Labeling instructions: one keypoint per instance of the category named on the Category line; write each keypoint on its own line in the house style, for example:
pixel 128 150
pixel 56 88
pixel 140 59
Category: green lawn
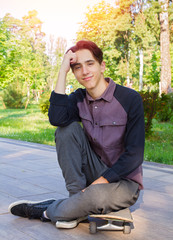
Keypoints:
pixel 27 125
pixel 159 147
pixel 33 126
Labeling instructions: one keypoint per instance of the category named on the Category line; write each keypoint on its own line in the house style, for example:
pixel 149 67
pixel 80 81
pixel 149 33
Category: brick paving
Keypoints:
pixel 30 171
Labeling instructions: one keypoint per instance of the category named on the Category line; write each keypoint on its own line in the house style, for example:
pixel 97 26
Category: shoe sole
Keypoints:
pixel 70 224
pixel 25 202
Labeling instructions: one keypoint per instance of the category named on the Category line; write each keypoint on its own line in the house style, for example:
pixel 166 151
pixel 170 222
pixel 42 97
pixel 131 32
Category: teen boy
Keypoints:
pixel 102 161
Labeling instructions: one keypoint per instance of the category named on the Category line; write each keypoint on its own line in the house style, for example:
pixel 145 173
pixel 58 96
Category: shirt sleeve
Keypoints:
pixel 63 109
pixel 132 157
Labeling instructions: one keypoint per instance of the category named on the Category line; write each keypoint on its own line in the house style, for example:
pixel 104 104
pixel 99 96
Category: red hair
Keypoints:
pixel 91 46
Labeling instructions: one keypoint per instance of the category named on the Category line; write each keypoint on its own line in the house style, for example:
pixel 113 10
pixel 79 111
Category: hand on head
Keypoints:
pixel 69 58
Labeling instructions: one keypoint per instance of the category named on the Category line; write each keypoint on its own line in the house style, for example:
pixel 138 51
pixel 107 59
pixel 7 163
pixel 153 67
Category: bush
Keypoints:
pixel 165 113
pixel 44 102
pixel 13 96
pixel 151 103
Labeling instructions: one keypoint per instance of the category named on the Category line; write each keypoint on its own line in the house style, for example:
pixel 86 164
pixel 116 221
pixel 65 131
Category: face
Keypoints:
pixel 88 71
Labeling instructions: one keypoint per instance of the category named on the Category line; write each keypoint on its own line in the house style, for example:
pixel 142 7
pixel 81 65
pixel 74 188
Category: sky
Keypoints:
pixel 60 18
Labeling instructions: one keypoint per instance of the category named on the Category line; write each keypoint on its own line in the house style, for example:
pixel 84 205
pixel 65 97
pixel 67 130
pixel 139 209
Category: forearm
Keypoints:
pixel 63 109
pixel 61 82
pixel 69 58
pixel 126 164
pixel 100 180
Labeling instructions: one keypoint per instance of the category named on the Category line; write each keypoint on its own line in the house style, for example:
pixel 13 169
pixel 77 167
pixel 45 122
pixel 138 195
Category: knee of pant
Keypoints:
pixel 67 131
pixel 97 195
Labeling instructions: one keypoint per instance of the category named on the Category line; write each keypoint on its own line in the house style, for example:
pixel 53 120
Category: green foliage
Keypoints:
pixel 22 54
pixel 152 11
pixel 14 97
pixel 124 31
pixel 151 105
pixel 44 102
pixel 166 108
pixel 159 146
pixel 153 75
pixel 26 125
pixel 155 106
pixel 55 51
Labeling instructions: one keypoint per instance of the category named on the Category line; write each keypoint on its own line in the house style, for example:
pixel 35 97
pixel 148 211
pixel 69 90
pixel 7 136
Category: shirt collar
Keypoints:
pixel 108 93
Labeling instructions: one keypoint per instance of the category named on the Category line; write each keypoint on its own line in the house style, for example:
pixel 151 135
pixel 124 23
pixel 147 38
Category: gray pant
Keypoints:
pixel 80 167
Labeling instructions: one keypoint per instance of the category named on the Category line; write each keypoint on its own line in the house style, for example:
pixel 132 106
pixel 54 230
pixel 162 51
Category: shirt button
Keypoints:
pixel 114 123
pixel 95 107
pixel 96 123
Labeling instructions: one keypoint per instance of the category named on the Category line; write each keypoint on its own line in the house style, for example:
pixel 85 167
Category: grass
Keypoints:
pixel 32 126
pixel 159 147
pixel 27 125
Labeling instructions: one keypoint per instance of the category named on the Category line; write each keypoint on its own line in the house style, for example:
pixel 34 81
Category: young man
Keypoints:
pixel 101 162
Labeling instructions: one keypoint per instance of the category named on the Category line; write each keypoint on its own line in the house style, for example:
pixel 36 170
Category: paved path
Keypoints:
pixel 30 171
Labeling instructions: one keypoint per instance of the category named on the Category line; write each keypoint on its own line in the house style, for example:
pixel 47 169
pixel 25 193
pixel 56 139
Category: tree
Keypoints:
pixel 4 36
pixel 23 56
pixel 146 35
pixel 129 35
pixel 165 48
pixel 114 29
pixel 10 53
pixel 32 32
pixel 112 32
pixel 56 49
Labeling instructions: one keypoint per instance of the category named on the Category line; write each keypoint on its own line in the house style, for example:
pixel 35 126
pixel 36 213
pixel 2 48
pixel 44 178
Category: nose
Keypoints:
pixel 85 70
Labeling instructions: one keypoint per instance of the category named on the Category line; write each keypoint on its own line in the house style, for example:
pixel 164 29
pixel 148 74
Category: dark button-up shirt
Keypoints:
pixel 113 123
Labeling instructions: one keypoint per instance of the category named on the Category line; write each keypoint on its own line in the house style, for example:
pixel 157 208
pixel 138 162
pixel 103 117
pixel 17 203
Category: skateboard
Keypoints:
pixel 119 220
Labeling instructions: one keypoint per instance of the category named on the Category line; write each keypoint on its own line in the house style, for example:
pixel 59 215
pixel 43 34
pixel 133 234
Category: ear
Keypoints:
pixel 103 65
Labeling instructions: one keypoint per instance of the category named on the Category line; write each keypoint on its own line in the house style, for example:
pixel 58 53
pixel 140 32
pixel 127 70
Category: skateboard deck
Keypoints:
pixel 119 220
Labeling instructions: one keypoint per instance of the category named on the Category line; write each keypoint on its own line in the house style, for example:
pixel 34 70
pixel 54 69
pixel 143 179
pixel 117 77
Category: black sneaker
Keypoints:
pixel 30 209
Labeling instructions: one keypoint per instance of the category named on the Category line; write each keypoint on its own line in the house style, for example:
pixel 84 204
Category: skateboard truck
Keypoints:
pixel 119 220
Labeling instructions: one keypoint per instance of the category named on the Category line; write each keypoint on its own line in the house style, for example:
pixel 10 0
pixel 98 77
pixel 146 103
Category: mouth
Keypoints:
pixel 87 78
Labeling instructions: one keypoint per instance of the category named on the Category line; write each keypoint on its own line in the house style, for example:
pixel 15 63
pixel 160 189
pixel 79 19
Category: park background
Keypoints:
pixel 137 41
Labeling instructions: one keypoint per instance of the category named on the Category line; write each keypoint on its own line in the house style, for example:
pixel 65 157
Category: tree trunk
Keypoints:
pixel 141 69
pixel 164 48
pixel 3 103
pixel 128 71
pixel 28 96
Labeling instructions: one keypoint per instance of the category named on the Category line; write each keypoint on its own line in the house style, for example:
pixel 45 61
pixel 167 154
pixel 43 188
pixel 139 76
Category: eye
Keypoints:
pixel 90 63
pixel 77 67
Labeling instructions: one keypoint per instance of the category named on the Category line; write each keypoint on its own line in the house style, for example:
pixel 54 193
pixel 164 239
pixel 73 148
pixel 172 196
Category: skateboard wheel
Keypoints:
pixel 127 228
pixel 93 227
